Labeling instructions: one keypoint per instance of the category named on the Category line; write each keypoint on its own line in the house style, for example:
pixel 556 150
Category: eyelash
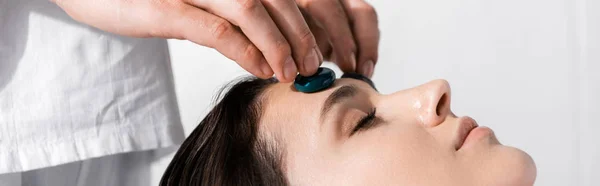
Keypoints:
pixel 365 122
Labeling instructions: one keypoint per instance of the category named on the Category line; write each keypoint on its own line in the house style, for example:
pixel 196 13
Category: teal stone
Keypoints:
pixel 321 80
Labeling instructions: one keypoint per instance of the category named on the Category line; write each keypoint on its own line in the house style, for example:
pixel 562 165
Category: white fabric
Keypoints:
pixel 128 169
pixel 70 92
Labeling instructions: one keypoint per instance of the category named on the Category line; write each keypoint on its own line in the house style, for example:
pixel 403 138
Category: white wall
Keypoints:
pixel 529 69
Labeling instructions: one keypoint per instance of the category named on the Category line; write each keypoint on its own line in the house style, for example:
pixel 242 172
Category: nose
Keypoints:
pixel 435 102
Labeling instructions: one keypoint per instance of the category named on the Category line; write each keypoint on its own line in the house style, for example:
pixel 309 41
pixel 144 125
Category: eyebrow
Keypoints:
pixel 344 92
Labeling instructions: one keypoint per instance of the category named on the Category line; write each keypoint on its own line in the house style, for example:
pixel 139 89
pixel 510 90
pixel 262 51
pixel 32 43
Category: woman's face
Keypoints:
pixel 330 138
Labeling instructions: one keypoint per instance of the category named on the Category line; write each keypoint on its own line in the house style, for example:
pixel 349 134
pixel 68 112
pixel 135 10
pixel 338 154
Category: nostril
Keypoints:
pixel 441 104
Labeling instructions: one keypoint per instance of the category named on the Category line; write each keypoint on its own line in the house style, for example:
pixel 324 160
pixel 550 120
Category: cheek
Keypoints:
pixel 500 165
pixel 388 156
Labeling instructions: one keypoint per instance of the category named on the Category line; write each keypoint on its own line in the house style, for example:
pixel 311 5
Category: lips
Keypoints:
pixel 466 125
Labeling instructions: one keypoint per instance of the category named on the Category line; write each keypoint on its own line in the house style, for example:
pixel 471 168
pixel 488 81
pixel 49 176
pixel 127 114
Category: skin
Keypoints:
pixel 265 37
pixel 413 142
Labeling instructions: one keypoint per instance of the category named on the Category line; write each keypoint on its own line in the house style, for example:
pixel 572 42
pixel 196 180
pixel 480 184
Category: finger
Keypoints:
pixel 289 20
pixel 259 28
pixel 209 30
pixel 331 14
pixel 363 19
pixel 321 37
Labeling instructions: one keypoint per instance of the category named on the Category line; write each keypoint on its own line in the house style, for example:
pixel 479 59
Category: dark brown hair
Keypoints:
pixel 225 148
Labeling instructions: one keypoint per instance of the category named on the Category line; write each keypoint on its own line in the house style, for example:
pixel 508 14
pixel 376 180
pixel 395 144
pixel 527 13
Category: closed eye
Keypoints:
pixel 366 122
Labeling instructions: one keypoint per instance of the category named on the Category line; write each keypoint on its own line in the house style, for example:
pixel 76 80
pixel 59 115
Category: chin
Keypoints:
pixel 518 168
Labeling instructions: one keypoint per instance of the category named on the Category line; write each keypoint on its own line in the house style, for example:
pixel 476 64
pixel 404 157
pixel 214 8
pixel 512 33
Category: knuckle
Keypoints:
pixel 246 5
pixel 306 38
pixel 220 29
pixel 249 53
pixel 368 8
pixel 306 3
pixel 281 46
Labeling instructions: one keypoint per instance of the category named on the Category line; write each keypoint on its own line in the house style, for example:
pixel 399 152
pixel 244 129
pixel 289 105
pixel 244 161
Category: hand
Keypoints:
pixel 346 31
pixel 262 36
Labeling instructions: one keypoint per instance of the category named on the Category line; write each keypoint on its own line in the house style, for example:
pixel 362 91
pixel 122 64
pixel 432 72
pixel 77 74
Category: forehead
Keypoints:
pixel 283 97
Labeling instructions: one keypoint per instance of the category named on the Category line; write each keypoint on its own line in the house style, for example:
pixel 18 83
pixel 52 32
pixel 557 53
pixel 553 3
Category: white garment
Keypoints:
pixel 70 92
pixel 127 169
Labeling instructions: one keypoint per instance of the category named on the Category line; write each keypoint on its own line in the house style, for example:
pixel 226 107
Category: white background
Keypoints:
pixel 529 69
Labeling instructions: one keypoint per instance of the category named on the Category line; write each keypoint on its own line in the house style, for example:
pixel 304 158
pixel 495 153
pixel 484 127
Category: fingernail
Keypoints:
pixel 265 68
pixel 367 68
pixel 353 61
pixel 311 61
pixel 289 68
